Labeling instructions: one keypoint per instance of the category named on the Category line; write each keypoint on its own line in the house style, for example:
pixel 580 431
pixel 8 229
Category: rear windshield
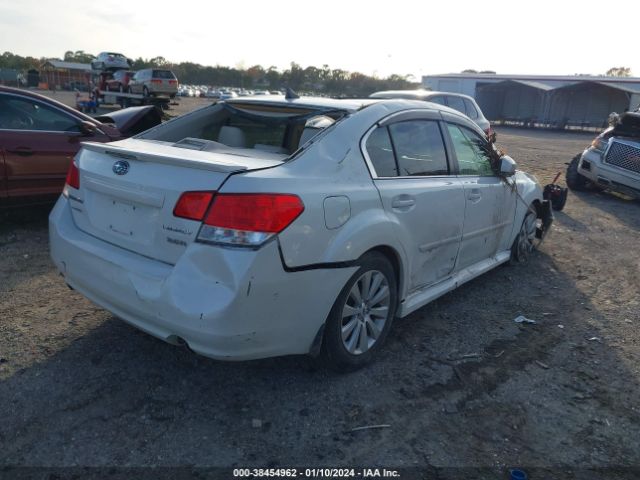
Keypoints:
pixel 163 74
pixel 277 129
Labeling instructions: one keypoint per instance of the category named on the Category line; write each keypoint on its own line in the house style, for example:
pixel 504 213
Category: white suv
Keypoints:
pixel 266 226
pixel 462 103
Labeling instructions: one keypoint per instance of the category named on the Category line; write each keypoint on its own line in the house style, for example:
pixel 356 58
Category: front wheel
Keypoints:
pixel 361 315
pixel 575 181
pixel 524 243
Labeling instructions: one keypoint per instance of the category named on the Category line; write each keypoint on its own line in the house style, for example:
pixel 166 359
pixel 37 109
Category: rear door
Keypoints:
pixel 38 142
pixel 411 172
pixel 489 202
pixel 135 83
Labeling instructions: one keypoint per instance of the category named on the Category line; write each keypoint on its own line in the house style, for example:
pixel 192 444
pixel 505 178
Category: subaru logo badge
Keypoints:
pixel 121 167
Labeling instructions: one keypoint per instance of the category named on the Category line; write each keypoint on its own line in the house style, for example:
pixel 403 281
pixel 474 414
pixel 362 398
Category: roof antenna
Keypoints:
pixel 291 95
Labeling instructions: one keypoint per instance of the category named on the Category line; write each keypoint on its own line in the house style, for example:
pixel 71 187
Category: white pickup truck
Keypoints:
pixel 612 161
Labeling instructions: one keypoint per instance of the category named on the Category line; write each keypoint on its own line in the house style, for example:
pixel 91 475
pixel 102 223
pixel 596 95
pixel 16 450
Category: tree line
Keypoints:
pixel 326 80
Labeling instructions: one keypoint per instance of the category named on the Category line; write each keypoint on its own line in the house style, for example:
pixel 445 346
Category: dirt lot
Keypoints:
pixel 459 384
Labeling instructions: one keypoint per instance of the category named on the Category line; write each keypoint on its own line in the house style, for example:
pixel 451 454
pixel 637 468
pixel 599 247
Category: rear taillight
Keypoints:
pixel 73 175
pixel 155 80
pixel 247 219
pixel 193 205
pixel 173 82
pixel 72 180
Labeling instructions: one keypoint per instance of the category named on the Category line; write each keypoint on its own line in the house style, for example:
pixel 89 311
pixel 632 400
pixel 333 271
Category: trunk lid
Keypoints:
pixel 128 191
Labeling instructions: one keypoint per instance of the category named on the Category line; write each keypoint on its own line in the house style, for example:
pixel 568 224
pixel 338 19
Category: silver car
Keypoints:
pixel 265 226
pixel 462 103
pixel 111 61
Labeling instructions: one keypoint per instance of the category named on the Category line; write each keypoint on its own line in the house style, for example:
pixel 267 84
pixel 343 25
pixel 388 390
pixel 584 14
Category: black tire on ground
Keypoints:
pixel 145 92
pixel 524 243
pixel 575 181
pixel 335 353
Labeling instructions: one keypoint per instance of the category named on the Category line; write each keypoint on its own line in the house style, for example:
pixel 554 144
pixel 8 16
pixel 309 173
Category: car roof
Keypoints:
pixel 351 105
pixel 417 94
pixel 390 105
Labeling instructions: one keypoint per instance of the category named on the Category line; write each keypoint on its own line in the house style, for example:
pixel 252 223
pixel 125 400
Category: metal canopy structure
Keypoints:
pixel 545 101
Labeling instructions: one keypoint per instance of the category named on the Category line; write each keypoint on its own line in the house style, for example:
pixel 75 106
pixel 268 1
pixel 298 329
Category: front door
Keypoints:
pixel 490 202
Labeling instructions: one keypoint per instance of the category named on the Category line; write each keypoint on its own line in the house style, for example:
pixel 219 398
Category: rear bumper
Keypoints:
pixel 227 304
pixel 601 173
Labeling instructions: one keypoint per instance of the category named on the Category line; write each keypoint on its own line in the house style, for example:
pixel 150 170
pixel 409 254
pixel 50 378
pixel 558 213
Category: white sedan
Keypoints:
pixel 264 226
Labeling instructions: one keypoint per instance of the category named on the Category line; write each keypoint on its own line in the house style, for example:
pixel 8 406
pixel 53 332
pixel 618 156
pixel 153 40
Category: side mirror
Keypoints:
pixel 87 128
pixel 507 166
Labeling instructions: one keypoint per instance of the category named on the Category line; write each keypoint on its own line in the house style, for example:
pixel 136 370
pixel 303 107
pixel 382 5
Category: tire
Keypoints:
pixel 524 243
pixel 353 333
pixel 121 89
pixel 575 181
pixel 145 92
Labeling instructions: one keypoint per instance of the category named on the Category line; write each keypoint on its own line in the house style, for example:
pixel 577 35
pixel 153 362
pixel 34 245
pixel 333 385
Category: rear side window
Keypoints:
pixel 163 74
pixel 471 151
pixel 419 148
pixel 438 99
pixel 380 153
pixel 471 110
pixel 456 103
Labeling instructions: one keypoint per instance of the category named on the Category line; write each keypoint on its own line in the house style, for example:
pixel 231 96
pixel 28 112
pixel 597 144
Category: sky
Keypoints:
pixel 559 37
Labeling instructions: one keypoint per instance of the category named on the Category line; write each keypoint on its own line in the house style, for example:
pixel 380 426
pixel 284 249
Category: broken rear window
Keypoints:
pixel 278 129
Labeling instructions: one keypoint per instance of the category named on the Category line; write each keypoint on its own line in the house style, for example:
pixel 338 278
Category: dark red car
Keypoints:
pixel 119 82
pixel 39 137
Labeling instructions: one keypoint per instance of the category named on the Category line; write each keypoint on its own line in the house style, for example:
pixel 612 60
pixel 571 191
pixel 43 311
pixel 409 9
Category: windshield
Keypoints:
pixel 279 129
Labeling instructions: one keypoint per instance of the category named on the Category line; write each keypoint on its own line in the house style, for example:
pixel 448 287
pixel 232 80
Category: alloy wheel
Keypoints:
pixel 365 312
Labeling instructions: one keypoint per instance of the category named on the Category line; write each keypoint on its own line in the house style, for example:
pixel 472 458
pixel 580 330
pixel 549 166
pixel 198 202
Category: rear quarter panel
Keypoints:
pixel 332 166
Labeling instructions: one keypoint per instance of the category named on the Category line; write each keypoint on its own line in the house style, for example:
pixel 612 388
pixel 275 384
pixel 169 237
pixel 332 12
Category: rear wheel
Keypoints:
pixel 145 92
pixel 575 181
pixel 361 315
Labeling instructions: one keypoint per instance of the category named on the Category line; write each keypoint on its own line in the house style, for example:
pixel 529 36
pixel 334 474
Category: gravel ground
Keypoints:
pixel 459 384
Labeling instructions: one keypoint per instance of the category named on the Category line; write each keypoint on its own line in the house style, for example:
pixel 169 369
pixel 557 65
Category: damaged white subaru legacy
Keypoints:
pixel 263 226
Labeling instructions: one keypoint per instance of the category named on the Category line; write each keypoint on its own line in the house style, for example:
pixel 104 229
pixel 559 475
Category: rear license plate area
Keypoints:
pixel 122 218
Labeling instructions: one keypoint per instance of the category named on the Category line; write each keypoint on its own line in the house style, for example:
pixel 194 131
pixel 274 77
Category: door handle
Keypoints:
pixel 474 195
pixel 22 151
pixel 403 203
